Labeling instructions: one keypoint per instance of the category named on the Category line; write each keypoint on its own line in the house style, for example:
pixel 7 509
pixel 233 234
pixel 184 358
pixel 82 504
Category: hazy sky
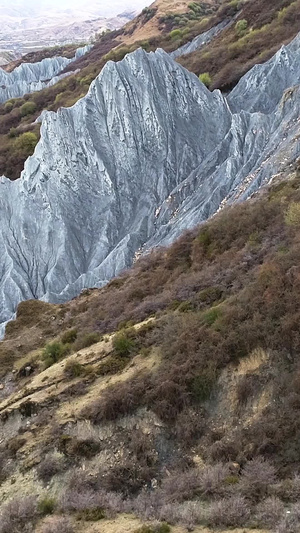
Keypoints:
pixel 103 7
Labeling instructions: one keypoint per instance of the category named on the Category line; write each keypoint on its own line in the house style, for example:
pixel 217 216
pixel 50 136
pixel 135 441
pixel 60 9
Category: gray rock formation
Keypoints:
pixel 201 40
pixel 147 153
pixel 262 87
pixel 31 77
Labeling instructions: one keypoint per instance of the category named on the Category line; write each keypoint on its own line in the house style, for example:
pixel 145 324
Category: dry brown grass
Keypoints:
pixel 228 57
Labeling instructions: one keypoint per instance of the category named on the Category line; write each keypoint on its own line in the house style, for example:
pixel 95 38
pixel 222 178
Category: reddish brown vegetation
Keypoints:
pixel 229 56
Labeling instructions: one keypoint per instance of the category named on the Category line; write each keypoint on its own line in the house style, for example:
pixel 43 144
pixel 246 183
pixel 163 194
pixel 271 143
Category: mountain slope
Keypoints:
pixel 226 57
pixel 30 77
pixel 156 155
pixel 188 411
pixel 27 28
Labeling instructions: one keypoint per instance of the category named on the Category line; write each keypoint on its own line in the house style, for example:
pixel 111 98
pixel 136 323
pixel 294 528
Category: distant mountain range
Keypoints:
pixel 31 25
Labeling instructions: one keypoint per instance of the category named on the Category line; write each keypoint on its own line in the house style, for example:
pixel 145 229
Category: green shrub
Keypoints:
pixel 241 27
pixel 112 365
pixel 69 336
pixel 13 132
pixel 210 295
pixel 26 143
pixel 28 109
pixel 46 505
pixel 87 340
pixel 292 215
pixel 19 102
pixel 73 369
pixel 205 238
pixel 206 79
pixel 201 387
pixel 123 344
pixel 232 480
pixel 211 315
pixel 185 307
pixel 8 107
pixel 175 35
pixel 197 8
pixel 53 352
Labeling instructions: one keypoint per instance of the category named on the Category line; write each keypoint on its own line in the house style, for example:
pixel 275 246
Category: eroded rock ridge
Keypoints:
pixel 146 154
pixel 31 77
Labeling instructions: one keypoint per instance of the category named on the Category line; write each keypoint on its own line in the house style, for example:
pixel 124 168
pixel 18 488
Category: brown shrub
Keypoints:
pixel 147 504
pixel 118 400
pixel 128 478
pixel 187 514
pixel 18 515
pixel 230 512
pixel 269 512
pixel 49 467
pixel 190 426
pixel 246 388
pixel 73 447
pixel 207 481
pixel 58 524
pixel 257 477
pixel 88 339
pixel 291 521
pixel 81 500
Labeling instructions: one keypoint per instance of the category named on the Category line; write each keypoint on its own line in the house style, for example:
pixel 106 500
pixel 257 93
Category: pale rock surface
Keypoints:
pixel 146 154
pixel 31 77
pixel 201 40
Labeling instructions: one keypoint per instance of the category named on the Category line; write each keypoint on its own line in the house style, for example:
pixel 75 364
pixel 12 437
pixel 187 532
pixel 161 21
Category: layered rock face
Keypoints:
pixel 147 153
pixel 31 77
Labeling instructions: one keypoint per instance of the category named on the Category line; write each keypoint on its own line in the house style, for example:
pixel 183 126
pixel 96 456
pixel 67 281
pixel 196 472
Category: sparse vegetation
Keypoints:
pixel 49 467
pixel 206 79
pixel 241 27
pixel 46 505
pixel 88 339
pixel 53 352
pixel 214 374
pixel 73 369
pixel 69 336
pixel 58 524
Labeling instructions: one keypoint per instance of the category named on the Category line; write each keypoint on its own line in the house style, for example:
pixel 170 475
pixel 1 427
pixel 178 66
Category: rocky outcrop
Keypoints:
pixel 201 40
pixel 262 87
pixel 31 77
pixel 146 154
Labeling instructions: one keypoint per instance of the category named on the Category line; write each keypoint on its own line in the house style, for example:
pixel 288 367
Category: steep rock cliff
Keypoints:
pixel 31 77
pixel 147 153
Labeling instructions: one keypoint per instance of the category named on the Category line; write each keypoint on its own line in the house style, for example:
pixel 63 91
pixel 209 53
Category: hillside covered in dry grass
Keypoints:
pixel 169 399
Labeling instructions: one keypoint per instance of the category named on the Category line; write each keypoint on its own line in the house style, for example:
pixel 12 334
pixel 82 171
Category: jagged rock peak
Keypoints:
pixel 147 153
pixel 262 87
pixel 30 77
